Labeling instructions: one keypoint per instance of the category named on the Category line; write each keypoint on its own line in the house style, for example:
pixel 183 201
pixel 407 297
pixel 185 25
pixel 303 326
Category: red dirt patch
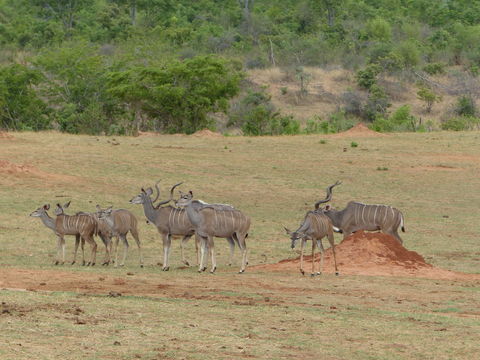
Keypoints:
pixel 6 135
pixel 206 133
pixel 359 130
pixel 7 167
pixel 374 254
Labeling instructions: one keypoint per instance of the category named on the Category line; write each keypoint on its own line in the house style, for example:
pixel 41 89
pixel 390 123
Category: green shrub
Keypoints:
pixel 400 120
pixel 461 123
pixel 434 68
pixel 428 96
pixel 367 77
pixel 377 103
pixel 313 126
pixel 465 106
pixel 353 144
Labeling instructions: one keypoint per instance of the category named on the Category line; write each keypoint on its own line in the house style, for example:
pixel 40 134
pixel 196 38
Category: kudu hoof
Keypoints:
pixel 141 265
pixel 319 273
pixel 105 263
pixel 303 272
pixel 242 271
pixel 312 275
pixel 337 273
pixel 55 263
pixel 186 263
pixel 166 268
pixel 202 269
pixel 73 262
pixel 83 263
pixel 213 270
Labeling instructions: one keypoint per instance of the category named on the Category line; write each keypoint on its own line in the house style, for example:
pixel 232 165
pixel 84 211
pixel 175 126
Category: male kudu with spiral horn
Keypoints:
pixel 168 220
pixel 218 220
pixel 357 216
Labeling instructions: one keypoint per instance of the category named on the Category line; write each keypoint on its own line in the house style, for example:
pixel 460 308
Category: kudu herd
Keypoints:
pixel 191 217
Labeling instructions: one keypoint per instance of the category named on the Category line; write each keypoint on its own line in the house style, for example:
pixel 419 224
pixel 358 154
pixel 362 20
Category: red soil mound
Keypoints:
pixel 372 254
pixel 359 130
pixel 206 133
pixel 7 167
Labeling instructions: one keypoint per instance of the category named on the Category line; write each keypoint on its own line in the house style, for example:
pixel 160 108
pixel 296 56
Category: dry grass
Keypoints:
pixel 432 178
pixel 327 86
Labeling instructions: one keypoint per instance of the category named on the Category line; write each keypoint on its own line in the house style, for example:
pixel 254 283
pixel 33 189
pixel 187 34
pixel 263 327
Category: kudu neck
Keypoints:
pixel 48 221
pixel 192 212
pixel 150 211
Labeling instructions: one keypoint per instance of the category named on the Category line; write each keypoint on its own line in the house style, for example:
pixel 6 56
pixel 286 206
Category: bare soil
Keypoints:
pixel 6 135
pixel 359 130
pixel 205 133
pixel 374 254
pixel 22 170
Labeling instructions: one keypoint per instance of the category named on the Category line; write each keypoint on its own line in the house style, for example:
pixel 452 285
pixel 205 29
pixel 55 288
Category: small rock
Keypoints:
pixel 116 343
pixel 114 294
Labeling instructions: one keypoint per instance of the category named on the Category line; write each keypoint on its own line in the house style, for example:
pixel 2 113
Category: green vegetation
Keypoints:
pixel 119 66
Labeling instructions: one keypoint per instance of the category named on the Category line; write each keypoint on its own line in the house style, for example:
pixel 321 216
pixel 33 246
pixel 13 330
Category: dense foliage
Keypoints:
pixel 116 66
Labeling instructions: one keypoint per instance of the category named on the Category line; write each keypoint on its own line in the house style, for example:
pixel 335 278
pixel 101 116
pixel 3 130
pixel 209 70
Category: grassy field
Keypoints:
pixel 67 311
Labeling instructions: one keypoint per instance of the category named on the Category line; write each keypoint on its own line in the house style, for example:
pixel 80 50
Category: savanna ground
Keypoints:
pixel 76 312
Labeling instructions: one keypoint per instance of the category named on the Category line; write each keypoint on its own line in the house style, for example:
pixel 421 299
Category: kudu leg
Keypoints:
pixel 93 254
pixel 211 248
pixel 117 240
pixel 322 254
pixel 134 233
pixel 331 240
pixel 167 241
pixel 243 247
pixel 313 258
pixel 203 248
pixel 182 249
pixel 82 246
pixel 125 248
pixel 302 246
pixel 231 243
pixel 106 241
pixel 77 242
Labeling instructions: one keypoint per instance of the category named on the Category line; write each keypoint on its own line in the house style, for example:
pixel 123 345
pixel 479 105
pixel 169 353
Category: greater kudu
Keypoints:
pixel 168 220
pixel 42 213
pixel 119 223
pixel 217 220
pixel 315 226
pixel 357 216
pixel 81 225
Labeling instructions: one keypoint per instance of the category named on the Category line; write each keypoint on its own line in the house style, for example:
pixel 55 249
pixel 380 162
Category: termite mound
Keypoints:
pixel 374 254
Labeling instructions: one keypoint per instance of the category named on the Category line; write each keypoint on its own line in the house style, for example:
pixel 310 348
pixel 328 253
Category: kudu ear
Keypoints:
pixel 110 207
pixel 191 193
pixel 58 205
pixel 287 231
pixel 149 191
pixel 328 207
pixel 46 206
pixel 98 208
pixel 67 204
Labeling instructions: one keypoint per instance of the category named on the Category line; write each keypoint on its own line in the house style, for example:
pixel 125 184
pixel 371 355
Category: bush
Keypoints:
pixel 336 122
pixel 367 77
pixel 377 103
pixel 461 123
pixel 434 68
pixel 465 106
pixel 313 126
pixel 400 120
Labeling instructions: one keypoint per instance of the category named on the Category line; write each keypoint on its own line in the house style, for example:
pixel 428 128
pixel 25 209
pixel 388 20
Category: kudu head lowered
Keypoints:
pixel 294 236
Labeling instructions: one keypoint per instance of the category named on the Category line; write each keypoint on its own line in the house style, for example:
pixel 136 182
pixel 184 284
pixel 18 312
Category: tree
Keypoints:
pixel 429 97
pixel 20 106
pixel 177 96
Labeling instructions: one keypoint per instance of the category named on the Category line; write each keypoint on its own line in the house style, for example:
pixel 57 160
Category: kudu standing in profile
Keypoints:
pixel 119 222
pixel 42 213
pixel 83 226
pixel 357 216
pixel 315 226
pixel 217 220
pixel 168 220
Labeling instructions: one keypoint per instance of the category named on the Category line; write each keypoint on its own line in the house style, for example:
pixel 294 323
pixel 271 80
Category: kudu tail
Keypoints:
pixel 402 225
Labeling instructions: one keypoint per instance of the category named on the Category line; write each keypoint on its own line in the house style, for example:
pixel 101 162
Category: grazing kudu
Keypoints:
pixel 168 220
pixel 357 216
pixel 217 220
pixel 315 226
pixel 119 222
